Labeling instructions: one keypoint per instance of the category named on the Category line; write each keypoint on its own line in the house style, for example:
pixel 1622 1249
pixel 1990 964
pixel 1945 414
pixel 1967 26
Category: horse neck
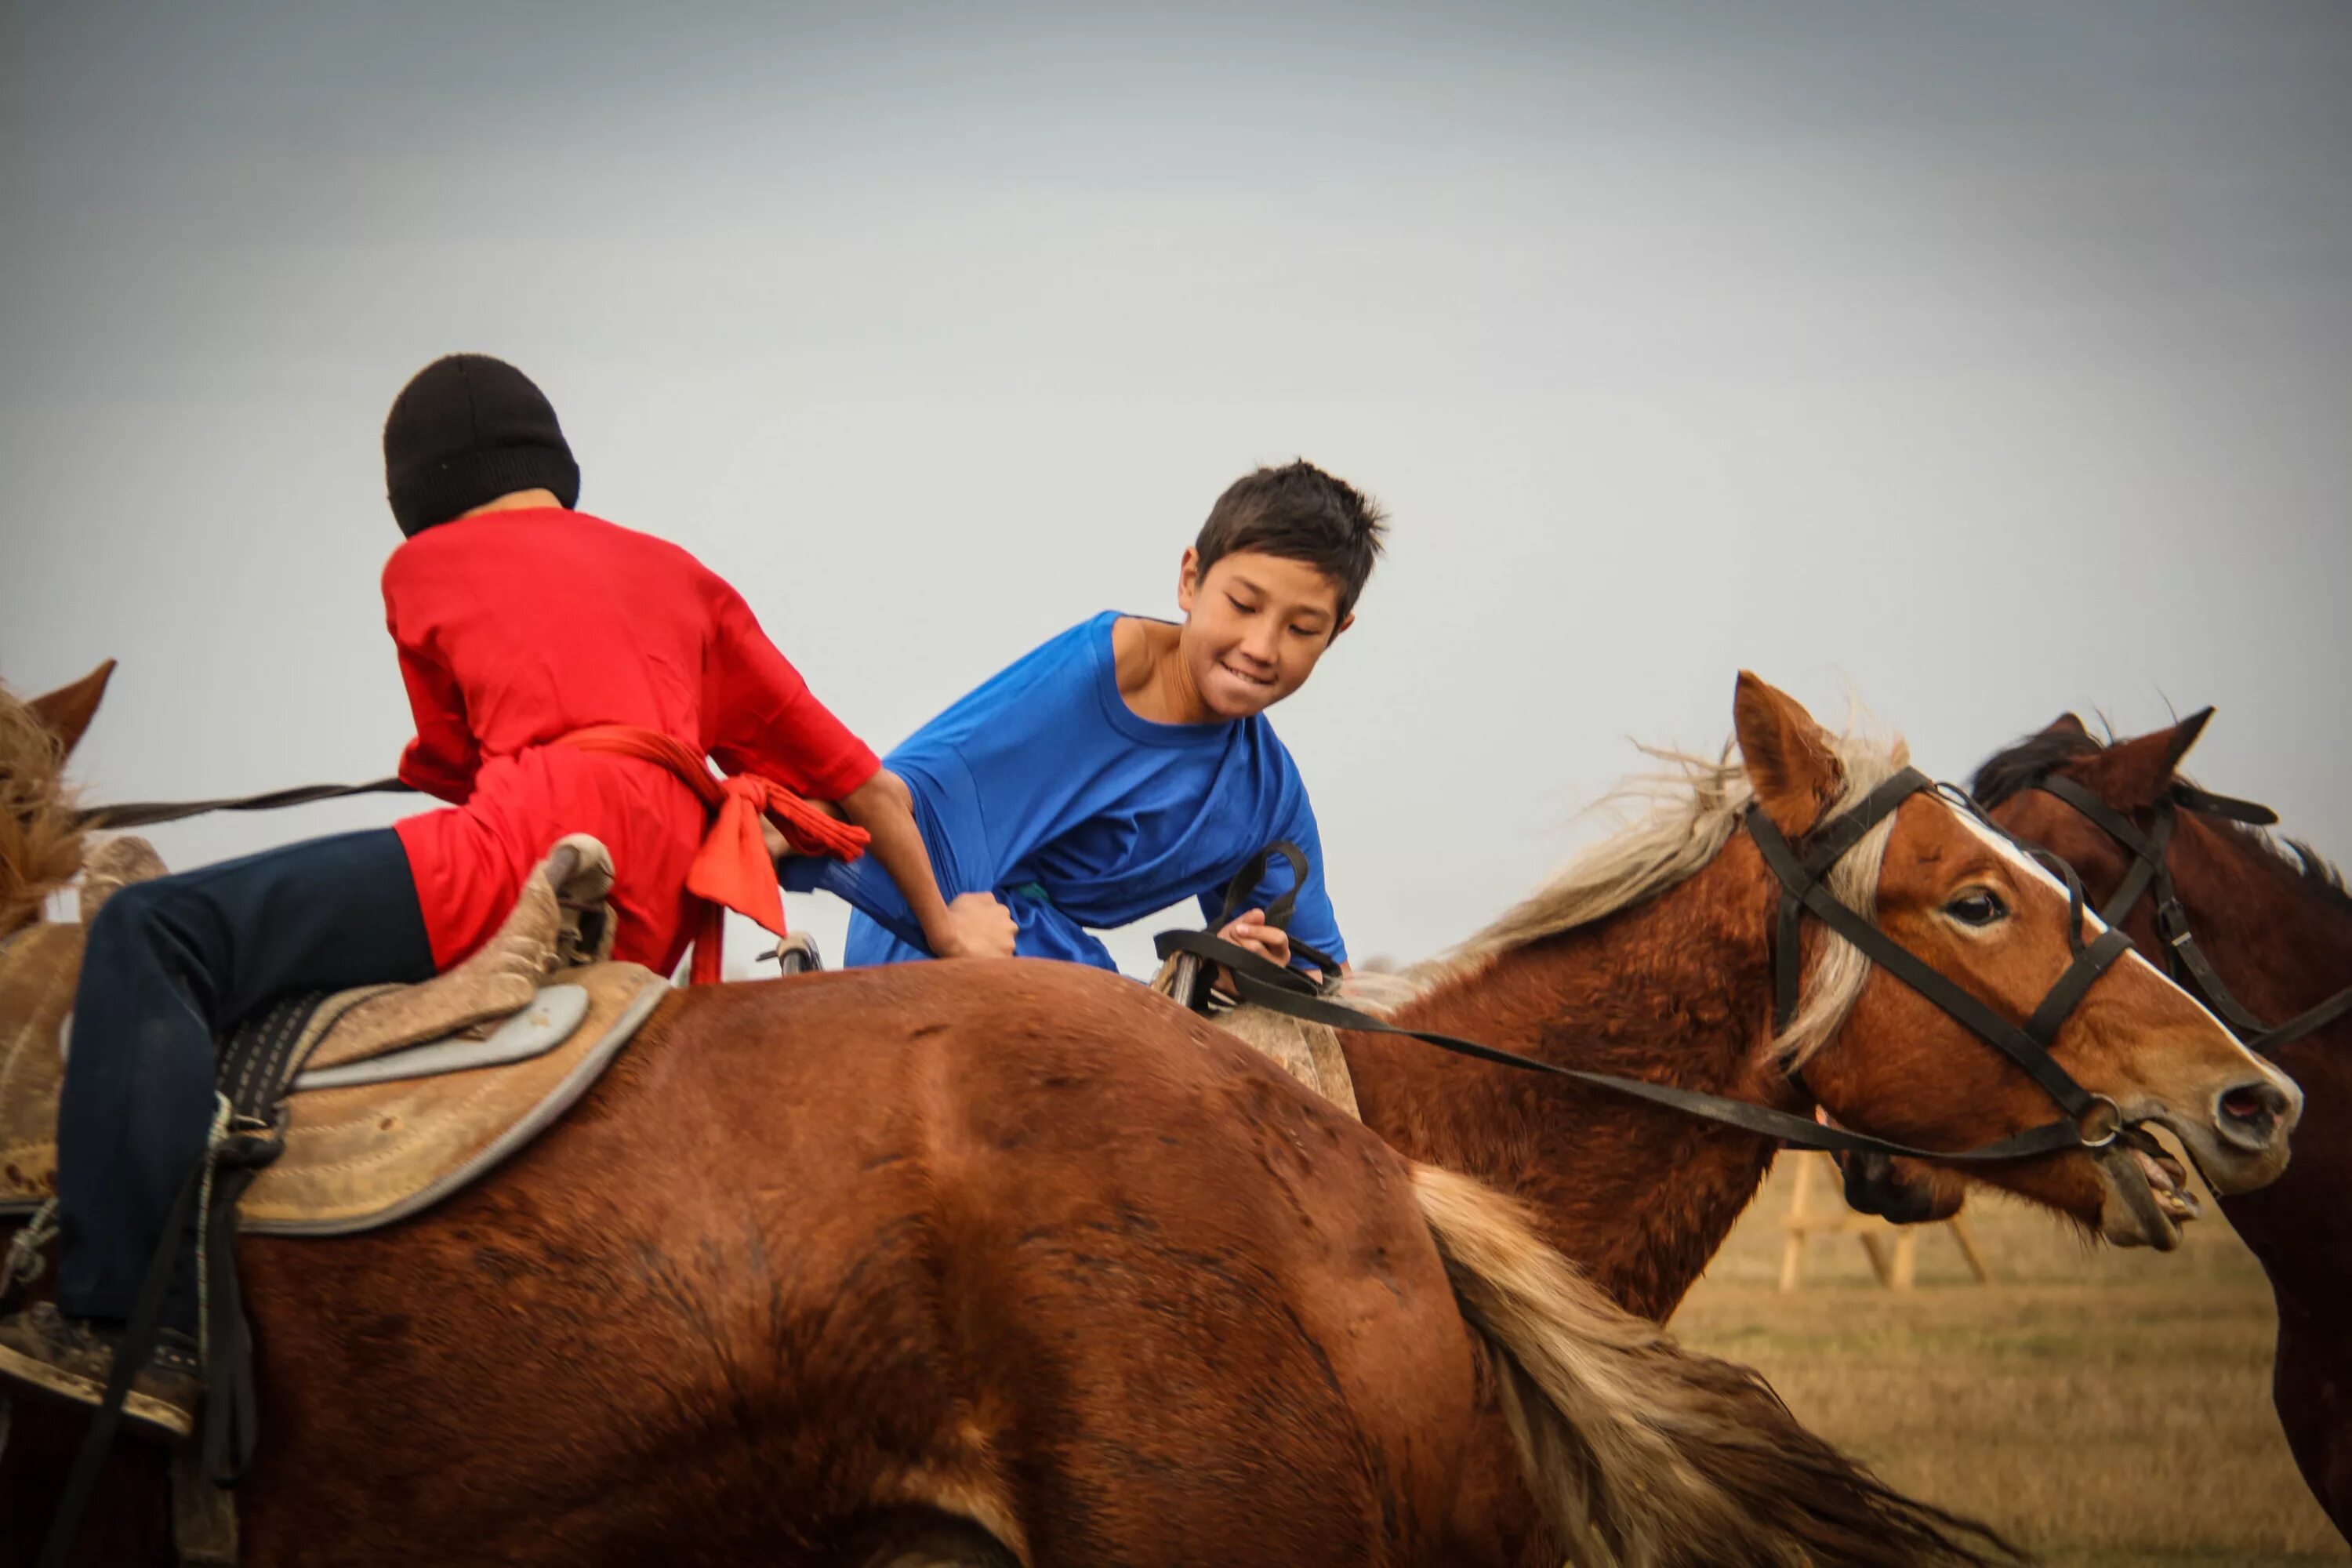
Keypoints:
pixel 2281 944
pixel 2279 941
pixel 1675 990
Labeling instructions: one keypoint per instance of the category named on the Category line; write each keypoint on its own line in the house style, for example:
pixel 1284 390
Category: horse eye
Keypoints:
pixel 1977 906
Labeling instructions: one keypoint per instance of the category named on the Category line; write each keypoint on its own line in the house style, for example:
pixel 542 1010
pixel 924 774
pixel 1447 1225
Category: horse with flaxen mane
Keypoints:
pixel 2275 921
pixel 991 1263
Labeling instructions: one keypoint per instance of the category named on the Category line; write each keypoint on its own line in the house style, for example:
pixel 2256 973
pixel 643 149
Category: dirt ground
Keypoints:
pixel 2100 1407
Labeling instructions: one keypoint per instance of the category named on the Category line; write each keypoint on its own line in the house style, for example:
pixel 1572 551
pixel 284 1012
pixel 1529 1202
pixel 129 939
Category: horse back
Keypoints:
pixel 1019 1245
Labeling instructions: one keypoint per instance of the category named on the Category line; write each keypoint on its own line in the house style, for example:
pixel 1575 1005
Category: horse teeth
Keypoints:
pixel 2158 1172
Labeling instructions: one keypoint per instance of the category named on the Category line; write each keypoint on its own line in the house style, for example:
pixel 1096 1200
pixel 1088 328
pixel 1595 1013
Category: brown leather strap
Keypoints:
pixel 149 812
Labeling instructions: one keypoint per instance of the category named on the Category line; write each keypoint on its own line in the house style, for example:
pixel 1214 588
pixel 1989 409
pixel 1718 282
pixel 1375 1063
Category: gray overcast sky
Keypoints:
pixel 1994 358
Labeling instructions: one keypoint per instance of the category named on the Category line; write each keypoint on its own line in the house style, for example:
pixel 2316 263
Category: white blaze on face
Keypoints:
pixel 2091 923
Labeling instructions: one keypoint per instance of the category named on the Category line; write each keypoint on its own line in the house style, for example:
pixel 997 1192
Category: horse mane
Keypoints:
pixel 2318 876
pixel 40 831
pixel 1683 816
pixel 2010 772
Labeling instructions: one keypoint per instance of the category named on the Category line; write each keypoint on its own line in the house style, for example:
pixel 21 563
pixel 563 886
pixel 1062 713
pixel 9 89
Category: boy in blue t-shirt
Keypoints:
pixel 1127 764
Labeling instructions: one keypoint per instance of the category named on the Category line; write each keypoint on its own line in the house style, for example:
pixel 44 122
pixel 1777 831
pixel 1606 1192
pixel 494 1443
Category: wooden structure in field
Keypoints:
pixel 1892 1250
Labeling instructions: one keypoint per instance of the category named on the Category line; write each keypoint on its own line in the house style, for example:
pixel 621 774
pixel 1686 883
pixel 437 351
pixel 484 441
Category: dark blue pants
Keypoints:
pixel 170 965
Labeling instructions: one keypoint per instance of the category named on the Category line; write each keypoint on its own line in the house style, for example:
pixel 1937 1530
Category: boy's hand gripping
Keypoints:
pixel 1249 929
pixel 981 927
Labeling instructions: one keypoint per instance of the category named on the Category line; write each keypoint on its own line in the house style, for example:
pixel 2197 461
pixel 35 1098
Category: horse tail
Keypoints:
pixel 1646 1454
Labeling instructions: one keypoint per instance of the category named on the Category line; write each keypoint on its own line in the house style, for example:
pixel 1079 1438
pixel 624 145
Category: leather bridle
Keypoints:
pixel 1804 890
pixel 2090 1121
pixel 2150 876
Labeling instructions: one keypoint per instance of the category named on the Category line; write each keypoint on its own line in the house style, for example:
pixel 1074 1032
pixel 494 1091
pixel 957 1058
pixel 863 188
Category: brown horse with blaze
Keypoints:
pixel 2275 923
pixel 1664 932
pixel 990 1263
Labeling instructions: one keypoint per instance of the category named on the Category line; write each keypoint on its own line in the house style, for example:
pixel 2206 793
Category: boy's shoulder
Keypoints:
pixel 558 535
pixel 1079 649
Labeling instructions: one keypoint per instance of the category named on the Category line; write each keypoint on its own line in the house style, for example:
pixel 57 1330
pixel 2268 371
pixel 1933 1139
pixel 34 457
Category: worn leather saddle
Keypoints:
pixel 385 1098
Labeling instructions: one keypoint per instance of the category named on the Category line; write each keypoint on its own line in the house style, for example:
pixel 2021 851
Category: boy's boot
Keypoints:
pixel 42 1351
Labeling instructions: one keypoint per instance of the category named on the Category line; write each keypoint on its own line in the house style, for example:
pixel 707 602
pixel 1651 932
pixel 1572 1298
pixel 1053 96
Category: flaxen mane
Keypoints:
pixel 40 832
pixel 1688 813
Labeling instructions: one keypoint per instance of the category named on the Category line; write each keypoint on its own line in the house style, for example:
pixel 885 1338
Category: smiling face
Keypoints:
pixel 1980 912
pixel 1254 626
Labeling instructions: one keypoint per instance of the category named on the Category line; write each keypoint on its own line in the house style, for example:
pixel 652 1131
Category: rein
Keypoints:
pixel 149 812
pixel 2091 1122
pixel 2151 877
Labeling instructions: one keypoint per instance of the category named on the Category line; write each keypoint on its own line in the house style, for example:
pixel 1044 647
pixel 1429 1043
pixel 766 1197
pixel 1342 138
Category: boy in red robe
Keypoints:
pixel 520 622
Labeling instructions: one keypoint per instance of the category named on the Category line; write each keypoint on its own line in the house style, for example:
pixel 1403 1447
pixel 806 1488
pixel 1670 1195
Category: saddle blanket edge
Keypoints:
pixel 339 1177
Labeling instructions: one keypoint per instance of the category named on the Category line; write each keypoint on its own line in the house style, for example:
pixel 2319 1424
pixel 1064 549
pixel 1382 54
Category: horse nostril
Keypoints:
pixel 2253 1107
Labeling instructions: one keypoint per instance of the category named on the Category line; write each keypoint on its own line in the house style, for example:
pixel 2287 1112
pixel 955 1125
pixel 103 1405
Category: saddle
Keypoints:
pixel 1309 1052
pixel 384 1099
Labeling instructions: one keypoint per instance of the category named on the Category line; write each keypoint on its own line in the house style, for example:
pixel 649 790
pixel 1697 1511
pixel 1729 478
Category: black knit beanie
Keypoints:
pixel 466 429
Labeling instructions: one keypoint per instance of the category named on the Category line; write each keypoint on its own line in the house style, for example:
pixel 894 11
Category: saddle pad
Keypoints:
pixel 366 1154
pixel 357 1155
pixel 1308 1052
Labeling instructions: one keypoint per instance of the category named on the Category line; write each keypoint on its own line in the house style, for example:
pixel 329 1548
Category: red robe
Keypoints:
pixel 516 627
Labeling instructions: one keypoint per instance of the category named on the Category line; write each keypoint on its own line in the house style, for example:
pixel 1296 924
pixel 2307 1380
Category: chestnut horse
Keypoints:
pixel 1666 928
pixel 2276 924
pixel 985 1263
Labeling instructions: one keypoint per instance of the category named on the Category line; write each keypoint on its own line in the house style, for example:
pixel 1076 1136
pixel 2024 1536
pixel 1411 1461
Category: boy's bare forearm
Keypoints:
pixel 883 806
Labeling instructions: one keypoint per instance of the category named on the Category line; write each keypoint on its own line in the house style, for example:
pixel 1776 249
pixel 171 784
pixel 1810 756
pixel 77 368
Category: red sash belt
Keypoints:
pixel 732 870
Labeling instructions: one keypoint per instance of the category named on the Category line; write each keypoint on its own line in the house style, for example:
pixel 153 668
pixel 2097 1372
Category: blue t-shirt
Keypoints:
pixel 1044 787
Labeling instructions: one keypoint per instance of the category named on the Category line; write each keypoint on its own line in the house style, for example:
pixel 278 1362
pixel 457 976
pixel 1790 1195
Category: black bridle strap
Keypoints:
pixel 1800 877
pixel 2151 874
pixel 2149 846
pixel 1283 991
pixel 2028 1047
pixel 2317 1016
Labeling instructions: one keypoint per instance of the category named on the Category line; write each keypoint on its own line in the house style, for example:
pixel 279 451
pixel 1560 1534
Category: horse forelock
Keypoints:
pixel 2019 767
pixel 40 832
pixel 1683 816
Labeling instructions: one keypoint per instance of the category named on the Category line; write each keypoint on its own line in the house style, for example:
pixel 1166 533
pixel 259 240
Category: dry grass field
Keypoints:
pixel 2100 1407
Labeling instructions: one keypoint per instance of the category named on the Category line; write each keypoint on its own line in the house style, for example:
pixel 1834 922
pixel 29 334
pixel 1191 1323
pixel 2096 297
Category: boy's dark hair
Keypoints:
pixel 1301 513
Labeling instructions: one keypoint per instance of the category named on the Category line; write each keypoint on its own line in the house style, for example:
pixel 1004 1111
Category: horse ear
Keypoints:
pixel 66 711
pixel 2130 774
pixel 2066 724
pixel 1788 758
